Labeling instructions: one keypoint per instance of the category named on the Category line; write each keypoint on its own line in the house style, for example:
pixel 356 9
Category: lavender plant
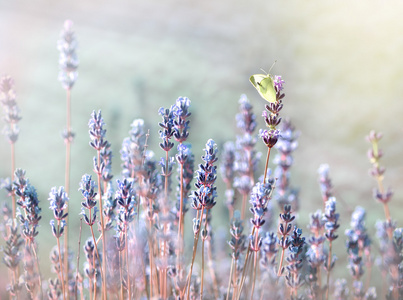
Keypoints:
pixel 141 219
pixel 315 255
pixel 238 247
pixel 246 157
pixel 260 197
pixel 99 143
pixel 58 203
pixel 286 145
pixel 203 199
pixel 227 169
pixel 68 64
pixel 359 246
pixel 29 220
pixel 11 118
pixel 331 219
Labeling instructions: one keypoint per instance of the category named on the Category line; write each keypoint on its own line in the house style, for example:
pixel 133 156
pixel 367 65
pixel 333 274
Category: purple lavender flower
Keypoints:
pixel 125 196
pixel 183 153
pixel 7 185
pixel 97 133
pixel 341 290
pixel 293 278
pixel 286 144
pixel 181 124
pixel 11 110
pixel 87 189
pixel 315 256
pixel 269 250
pixel 384 197
pixel 29 202
pixel 91 266
pixel 228 172
pixel 167 126
pixel 278 83
pixel 325 182
pixel 185 158
pixel 106 158
pixel 166 169
pixel 68 61
pixel 285 227
pixel 12 254
pixel 237 242
pixel 246 119
pixel 331 219
pixel 259 199
pixel 99 143
pixel 204 196
pixel 243 184
pixel 109 206
pixel 269 137
pixel 58 203
pixel 132 151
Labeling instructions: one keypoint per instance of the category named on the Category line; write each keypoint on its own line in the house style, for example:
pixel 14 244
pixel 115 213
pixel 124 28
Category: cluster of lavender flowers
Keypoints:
pixel 11 110
pixel 145 242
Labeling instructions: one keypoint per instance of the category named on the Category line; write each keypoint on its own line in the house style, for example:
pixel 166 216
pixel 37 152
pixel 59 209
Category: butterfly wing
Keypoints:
pixel 267 89
pixel 256 79
pixel 265 86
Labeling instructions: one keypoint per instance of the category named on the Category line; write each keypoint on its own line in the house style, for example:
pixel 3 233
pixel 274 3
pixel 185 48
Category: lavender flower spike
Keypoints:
pixel 68 61
pixel 58 204
pixel 11 110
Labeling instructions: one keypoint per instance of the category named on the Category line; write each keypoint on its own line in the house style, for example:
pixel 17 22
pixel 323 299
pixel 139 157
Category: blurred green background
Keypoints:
pixel 340 61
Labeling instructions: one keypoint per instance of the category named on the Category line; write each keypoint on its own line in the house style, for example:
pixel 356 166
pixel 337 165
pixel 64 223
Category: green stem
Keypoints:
pixel 254 262
pixel 267 164
pixel 12 178
pixel 60 262
pixel 329 266
pixel 243 277
pixel 230 279
pixel 202 270
pixel 194 255
pixel 101 212
pixel 67 183
pixel 180 236
pixel 96 250
pixel 78 257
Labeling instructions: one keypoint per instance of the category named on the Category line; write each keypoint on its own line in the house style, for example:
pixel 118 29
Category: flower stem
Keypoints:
pixel 96 250
pixel 243 277
pixel 67 181
pixel 281 262
pixel 254 261
pixel 78 258
pixel 329 267
pixel 101 210
pixel 230 281
pixel 12 178
pixel 129 294
pixel 194 254
pixel 244 200
pixel 60 262
pixel 202 271
pixel 267 164
pixel 180 232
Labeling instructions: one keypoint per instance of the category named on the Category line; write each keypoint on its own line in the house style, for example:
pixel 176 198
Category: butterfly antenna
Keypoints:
pixel 272 65
pixel 265 73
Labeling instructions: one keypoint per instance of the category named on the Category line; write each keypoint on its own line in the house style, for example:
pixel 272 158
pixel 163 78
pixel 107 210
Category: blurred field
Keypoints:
pixel 340 60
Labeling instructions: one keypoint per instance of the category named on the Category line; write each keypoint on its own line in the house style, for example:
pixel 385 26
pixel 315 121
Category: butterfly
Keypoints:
pixel 265 86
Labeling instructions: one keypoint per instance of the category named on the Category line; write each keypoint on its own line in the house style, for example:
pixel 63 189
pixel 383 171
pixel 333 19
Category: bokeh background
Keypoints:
pixel 341 61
